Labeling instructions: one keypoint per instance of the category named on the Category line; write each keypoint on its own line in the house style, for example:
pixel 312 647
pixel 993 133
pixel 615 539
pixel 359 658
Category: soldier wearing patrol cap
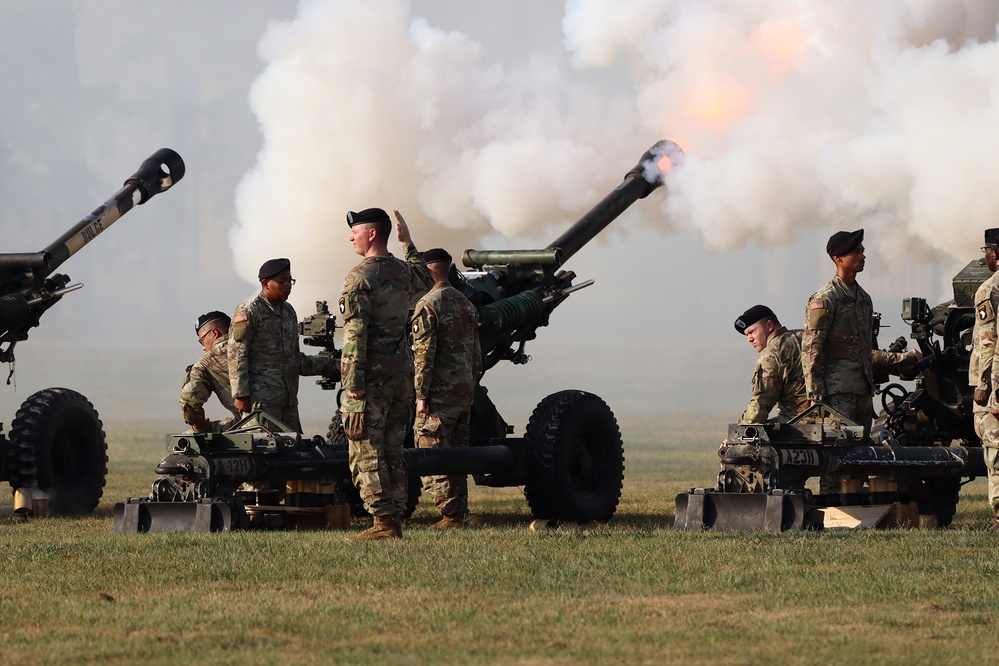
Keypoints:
pixel 837 347
pixel 377 365
pixel 264 358
pixel 777 379
pixel 448 362
pixel 984 366
pixel 208 375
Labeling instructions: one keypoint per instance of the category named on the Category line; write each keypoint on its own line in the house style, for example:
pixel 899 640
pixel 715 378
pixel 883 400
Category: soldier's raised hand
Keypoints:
pixel 401 228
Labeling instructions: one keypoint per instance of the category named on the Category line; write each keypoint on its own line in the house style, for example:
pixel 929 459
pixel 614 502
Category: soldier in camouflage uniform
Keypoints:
pixel 208 375
pixel 264 358
pixel 777 379
pixel 448 362
pixel 377 365
pixel 837 347
pixel 984 365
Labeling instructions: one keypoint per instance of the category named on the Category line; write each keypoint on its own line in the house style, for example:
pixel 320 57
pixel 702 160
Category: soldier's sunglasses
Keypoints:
pixel 994 248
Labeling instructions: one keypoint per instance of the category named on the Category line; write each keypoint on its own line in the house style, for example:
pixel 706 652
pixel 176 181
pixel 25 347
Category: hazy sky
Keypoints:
pixel 494 125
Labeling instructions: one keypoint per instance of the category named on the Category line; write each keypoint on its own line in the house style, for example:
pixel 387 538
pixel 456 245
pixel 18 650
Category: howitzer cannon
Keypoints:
pixel 924 447
pixel 570 460
pixel 56 448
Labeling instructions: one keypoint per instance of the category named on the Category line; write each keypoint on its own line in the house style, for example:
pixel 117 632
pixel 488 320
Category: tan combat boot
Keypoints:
pixel 448 522
pixel 384 528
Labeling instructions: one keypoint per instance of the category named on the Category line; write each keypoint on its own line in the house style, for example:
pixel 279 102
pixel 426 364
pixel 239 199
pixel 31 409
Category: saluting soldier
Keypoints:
pixel 377 365
pixel 264 358
pixel 208 375
pixel 983 367
pixel 448 362
pixel 777 379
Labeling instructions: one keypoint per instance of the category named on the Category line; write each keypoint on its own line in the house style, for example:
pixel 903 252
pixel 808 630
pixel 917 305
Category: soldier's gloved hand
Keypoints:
pixel 981 397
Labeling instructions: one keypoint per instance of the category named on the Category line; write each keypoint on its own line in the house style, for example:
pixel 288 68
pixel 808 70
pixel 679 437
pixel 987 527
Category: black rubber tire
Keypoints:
pixel 58 444
pixel 575 458
pixel 939 497
pixel 349 493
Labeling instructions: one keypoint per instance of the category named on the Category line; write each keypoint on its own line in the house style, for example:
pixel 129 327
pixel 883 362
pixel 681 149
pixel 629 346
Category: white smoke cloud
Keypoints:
pixel 837 114
pixel 793 116
pixel 367 105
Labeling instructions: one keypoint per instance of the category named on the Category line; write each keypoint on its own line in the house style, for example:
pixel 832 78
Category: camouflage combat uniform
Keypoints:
pixel 209 374
pixel 448 360
pixel 981 369
pixel 777 380
pixel 377 359
pixel 264 358
pixel 838 358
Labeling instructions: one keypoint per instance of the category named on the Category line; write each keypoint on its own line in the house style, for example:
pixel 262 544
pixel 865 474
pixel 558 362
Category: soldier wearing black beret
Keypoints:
pixel 837 347
pixel 777 379
pixel 377 365
pixel 264 357
pixel 208 375
pixel 448 361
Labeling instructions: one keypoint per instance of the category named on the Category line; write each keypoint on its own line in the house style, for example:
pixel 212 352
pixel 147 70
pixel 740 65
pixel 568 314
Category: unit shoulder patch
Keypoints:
pixel 985 312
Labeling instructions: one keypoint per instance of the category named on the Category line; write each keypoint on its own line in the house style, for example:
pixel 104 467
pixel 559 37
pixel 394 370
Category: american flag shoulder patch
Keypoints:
pixel 239 317
pixel 817 305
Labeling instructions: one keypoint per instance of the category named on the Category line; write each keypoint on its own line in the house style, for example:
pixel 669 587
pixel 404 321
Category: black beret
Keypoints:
pixel 212 316
pixel 753 315
pixel 272 267
pixel 844 242
pixel 992 236
pixel 368 216
pixel 435 255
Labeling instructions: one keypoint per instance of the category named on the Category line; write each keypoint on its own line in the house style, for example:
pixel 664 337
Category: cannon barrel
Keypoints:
pixel 26 291
pixel 158 173
pixel 638 183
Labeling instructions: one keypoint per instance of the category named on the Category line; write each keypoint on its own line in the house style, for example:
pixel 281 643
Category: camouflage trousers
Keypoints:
pixel 446 426
pixel 987 427
pixel 377 467
pixel 286 414
pixel 859 408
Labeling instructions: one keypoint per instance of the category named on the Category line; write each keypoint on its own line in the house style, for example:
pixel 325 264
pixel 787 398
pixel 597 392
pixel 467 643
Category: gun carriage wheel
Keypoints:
pixel 575 465
pixel 58 445
pixel 348 492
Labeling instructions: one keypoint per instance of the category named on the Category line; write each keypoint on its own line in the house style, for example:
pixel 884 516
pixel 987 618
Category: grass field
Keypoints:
pixel 631 591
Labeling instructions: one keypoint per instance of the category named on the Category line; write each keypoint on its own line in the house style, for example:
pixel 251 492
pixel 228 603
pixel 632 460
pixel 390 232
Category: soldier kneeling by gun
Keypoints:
pixel 208 375
pixel 778 379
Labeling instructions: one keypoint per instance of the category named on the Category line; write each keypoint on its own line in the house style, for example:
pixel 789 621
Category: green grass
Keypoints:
pixel 631 591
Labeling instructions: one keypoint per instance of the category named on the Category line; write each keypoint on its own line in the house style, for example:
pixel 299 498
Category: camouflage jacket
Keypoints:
pixel 837 346
pixel 208 375
pixel 983 345
pixel 777 380
pixel 377 296
pixel 446 349
pixel 264 357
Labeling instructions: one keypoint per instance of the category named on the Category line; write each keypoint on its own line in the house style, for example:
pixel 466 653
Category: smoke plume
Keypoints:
pixel 793 115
